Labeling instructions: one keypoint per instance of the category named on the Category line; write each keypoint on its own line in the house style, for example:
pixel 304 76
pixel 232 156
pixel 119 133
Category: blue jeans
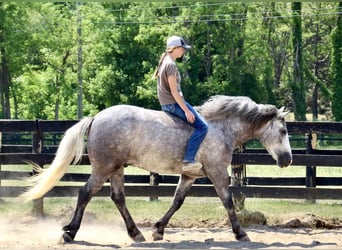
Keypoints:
pixel 200 126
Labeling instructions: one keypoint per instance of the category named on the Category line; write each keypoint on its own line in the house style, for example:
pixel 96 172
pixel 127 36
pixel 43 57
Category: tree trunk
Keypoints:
pixel 5 82
pixel 57 101
pixel 297 84
pixel 79 62
pixel 314 105
pixel 236 59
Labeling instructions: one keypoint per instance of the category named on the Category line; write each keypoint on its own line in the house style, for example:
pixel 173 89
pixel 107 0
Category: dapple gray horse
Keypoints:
pixel 155 141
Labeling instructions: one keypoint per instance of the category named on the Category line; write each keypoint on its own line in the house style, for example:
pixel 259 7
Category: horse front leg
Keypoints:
pixel 118 196
pixel 240 234
pixel 183 187
pixel 220 179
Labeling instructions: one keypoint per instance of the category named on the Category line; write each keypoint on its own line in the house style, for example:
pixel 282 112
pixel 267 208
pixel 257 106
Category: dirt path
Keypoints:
pixel 46 235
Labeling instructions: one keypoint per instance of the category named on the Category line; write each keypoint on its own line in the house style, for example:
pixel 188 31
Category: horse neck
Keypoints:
pixel 236 132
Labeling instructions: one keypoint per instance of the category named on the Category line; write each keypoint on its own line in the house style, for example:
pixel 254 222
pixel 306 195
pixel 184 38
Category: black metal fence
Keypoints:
pixel 45 135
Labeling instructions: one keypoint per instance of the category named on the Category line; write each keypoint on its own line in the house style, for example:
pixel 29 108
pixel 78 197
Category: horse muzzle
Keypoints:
pixel 284 159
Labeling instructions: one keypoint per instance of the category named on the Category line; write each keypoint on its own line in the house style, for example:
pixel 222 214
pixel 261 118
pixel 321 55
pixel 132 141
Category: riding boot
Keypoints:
pixel 191 166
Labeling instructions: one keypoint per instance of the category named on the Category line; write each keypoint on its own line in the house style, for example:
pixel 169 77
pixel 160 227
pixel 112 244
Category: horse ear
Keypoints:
pixel 282 113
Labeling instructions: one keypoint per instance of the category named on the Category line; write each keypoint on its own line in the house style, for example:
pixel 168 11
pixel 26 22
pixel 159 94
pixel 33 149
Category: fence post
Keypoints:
pixel 1 200
pixel 154 181
pixel 310 180
pixel 238 180
pixel 37 144
pixel 0 164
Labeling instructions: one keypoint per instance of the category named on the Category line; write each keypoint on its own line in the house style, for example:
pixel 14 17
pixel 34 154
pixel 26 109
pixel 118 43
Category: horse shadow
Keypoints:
pixel 211 243
pixel 93 245
pixel 193 244
pixel 226 245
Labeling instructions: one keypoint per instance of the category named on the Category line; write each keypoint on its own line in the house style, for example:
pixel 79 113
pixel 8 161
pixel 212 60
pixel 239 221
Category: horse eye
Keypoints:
pixel 283 131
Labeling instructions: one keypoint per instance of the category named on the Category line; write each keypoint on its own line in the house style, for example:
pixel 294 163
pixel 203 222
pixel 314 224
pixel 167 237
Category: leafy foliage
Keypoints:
pixel 237 49
pixel 337 65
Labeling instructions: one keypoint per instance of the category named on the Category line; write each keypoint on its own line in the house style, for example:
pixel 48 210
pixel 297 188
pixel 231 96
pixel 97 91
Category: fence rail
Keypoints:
pixel 298 187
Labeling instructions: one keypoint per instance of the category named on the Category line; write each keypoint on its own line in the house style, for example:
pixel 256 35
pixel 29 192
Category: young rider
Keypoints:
pixel 172 100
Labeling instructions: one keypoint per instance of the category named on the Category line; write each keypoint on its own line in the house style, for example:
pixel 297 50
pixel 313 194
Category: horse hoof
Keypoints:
pixel 157 236
pixel 139 238
pixel 243 238
pixel 67 238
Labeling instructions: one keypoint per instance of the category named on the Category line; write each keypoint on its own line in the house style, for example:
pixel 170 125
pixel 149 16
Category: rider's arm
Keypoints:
pixel 179 99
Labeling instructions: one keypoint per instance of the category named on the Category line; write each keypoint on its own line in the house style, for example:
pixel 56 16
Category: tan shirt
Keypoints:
pixel 168 68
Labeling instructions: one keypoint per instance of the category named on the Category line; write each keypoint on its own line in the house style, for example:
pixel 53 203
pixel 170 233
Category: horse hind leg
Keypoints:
pixel 85 194
pixel 118 197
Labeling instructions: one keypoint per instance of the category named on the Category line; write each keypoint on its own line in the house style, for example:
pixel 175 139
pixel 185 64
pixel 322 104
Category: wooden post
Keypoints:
pixel 37 144
pixel 238 180
pixel 0 164
pixel 154 181
pixel 1 200
pixel 0 152
pixel 310 180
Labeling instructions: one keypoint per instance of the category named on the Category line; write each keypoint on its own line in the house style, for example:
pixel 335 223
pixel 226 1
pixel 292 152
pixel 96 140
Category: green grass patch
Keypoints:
pixel 194 212
pixel 275 171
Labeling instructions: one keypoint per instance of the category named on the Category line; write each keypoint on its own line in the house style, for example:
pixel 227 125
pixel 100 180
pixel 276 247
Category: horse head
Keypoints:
pixel 275 139
pixel 264 121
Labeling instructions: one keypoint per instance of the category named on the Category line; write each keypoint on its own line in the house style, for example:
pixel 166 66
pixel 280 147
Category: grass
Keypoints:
pixel 194 212
pixel 292 171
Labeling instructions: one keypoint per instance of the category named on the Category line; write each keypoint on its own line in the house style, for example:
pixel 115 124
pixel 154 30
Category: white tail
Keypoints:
pixel 70 150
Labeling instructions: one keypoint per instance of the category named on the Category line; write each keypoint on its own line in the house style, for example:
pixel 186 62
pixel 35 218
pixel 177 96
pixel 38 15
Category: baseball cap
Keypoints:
pixel 176 41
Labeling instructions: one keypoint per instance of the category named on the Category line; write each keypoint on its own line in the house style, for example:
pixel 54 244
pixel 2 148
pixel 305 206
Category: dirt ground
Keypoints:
pixel 29 233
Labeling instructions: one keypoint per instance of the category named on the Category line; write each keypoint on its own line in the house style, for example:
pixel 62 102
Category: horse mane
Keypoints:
pixel 221 107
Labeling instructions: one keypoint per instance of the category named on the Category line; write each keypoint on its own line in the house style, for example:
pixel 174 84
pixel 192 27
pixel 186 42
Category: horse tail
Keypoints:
pixel 69 151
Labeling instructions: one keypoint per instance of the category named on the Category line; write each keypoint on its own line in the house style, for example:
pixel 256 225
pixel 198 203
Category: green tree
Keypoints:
pixel 50 75
pixel 5 79
pixel 275 32
pixel 13 34
pixel 316 60
pixel 337 67
pixel 237 49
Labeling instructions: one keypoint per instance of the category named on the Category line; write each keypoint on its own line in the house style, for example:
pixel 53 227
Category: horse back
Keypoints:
pixel 125 134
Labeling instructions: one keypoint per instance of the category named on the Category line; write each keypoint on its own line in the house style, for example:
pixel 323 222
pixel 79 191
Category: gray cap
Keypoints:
pixel 176 41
